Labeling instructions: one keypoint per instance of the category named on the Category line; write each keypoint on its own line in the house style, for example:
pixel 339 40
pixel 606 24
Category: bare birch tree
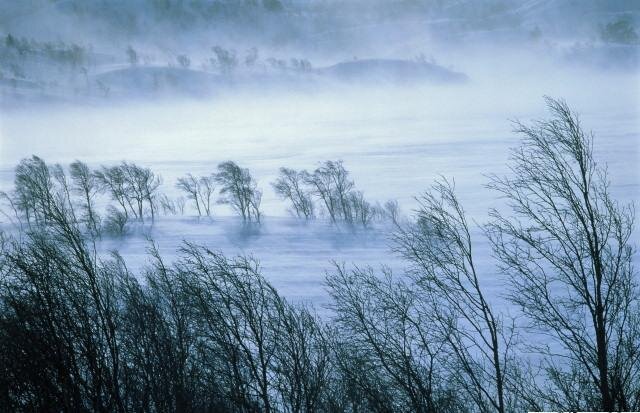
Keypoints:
pixel 566 247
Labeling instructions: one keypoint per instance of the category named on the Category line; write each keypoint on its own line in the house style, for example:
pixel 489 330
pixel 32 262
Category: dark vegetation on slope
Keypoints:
pixel 70 50
pixel 80 332
pixel 32 71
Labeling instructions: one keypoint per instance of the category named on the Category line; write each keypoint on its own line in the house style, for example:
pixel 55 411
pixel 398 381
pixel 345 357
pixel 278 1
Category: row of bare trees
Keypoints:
pixel 131 193
pixel 134 189
pixel 207 332
pixel 238 189
pixel 330 186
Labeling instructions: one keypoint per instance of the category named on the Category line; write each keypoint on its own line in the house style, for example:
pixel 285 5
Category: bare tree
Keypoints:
pixel 290 185
pixel 112 181
pixel 115 222
pixel 33 189
pixel 226 60
pixel 566 249
pixel 180 203
pixel 240 190
pixel 330 182
pixel 238 309
pixel 302 360
pixel 168 205
pixel 132 187
pixel 385 332
pixel 87 186
pixel 53 279
pixel 206 189
pixel 190 185
pixel 439 247
pixel 362 212
pixel 141 186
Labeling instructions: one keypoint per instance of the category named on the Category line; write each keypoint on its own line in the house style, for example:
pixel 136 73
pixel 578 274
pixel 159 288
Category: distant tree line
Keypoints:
pixel 22 58
pixel 132 194
pixel 80 332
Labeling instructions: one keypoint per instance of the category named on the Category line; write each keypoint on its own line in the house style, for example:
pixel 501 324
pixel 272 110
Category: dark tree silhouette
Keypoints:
pixel 239 190
pixel 566 248
pixel 291 186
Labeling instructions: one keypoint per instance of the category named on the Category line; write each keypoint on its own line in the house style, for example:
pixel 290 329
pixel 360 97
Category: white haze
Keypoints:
pixel 394 139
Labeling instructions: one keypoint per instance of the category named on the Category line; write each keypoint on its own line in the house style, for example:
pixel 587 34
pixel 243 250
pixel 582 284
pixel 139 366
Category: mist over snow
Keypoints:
pixel 401 91
pixel 319 205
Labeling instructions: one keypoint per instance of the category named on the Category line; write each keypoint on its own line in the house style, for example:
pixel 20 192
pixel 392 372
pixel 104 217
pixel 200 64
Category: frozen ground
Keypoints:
pixel 394 140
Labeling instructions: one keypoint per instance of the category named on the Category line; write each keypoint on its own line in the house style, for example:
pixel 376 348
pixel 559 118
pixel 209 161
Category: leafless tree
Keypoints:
pixel 226 60
pixel 239 190
pixel 360 210
pixel 440 249
pixel 112 181
pixel 290 185
pixel 53 279
pixel 115 222
pixel 132 187
pixel 168 205
pixel 87 186
pixel 302 361
pixel 383 326
pixel 190 185
pixel 180 203
pixel 566 247
pixel 141 186
pixel 331 183
pixel 33 189
pixel 206 189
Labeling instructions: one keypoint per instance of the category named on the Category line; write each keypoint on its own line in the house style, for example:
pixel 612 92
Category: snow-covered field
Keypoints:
pixel 394 140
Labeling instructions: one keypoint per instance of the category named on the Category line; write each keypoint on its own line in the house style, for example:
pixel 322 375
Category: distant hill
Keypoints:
pixel 390 70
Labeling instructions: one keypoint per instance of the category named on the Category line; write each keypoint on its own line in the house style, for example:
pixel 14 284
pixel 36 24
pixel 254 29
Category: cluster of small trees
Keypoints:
pixel 22 58
pixel 330 186
pixel 238 189
pixel 328 189
pixel 227 61
pixel 131 193
pixel 80 332
pixel 59 52
pixel 134 189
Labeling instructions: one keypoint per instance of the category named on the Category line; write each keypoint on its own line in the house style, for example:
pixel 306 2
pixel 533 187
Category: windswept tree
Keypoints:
pixel 34 189
pixel 239 190
pixel 447 281
pixel 268 356
pixel 336 192
pixel 86 184
pixel 291 186
pixel 58 308
pixel 141 186
pixel 303 360
pixel 206 189
pixel 566 247
pixel 225 60
pixel 361 210
pixel 189 184
pixel 386 346
pixel 168 205
pixel 331 183
pixel 112 181
pixel 132 187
